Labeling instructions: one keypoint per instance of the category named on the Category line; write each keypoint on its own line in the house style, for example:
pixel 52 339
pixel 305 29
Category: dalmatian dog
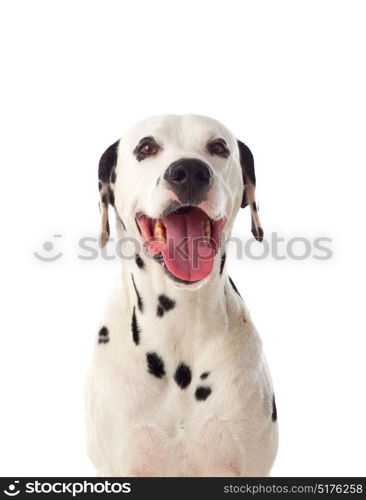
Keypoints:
pixel 179 384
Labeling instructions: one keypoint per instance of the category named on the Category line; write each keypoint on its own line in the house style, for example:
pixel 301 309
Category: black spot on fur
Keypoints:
pixel 222 264
pixel 247 164
pixel 103 335
pixel 234 287
pixel 107 162
pixel 139 262
pixel 247 167
pixel 165 304
pixel 113 176
pixel 254 206
pixel 258 235
pixel 204 375
pixel 274 409
pixel 103 332
pixel 183 376
pixel 123 225
pixel 202 393
pixel 140 303
pixel 105 199
pixel 155 364
pixel 103 341
pixel 111 197
pixel 135 328
pixel 100 185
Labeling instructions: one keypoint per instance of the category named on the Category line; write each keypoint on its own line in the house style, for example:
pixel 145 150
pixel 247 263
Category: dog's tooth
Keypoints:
pixel 159 229
pixel 207 229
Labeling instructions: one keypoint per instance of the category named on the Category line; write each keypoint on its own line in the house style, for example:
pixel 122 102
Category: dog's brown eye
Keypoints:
pixel 148 149
pixel 145 148
pixel 218 148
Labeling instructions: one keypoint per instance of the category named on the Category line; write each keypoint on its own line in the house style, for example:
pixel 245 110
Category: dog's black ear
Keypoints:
pixel 248 172
pixel 106 180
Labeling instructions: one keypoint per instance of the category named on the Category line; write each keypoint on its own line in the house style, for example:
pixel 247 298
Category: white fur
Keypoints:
pixel 140 425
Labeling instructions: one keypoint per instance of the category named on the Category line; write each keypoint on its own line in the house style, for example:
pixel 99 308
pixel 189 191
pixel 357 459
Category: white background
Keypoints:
pixel 288 78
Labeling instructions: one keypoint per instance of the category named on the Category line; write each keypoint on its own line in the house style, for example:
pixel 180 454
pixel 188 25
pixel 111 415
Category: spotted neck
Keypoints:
pixel 146 278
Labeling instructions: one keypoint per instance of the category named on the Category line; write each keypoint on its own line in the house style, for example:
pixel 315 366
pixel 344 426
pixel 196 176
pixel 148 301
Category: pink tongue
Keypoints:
pixel 186 254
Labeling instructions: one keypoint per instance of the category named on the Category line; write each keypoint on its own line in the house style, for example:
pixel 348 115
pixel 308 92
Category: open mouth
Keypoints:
pixel 187 240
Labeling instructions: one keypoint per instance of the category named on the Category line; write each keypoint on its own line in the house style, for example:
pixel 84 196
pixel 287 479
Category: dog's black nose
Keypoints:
pixel 189 178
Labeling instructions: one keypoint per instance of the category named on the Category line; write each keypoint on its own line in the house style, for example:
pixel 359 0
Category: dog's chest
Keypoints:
pixel 176 391
pixel 181 417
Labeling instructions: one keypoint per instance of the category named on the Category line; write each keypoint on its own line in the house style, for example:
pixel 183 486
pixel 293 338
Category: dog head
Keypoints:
pixel 177 183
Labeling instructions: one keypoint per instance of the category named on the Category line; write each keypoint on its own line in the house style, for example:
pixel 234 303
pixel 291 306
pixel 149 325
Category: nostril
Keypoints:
pixel 179 175
pixel 203 175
